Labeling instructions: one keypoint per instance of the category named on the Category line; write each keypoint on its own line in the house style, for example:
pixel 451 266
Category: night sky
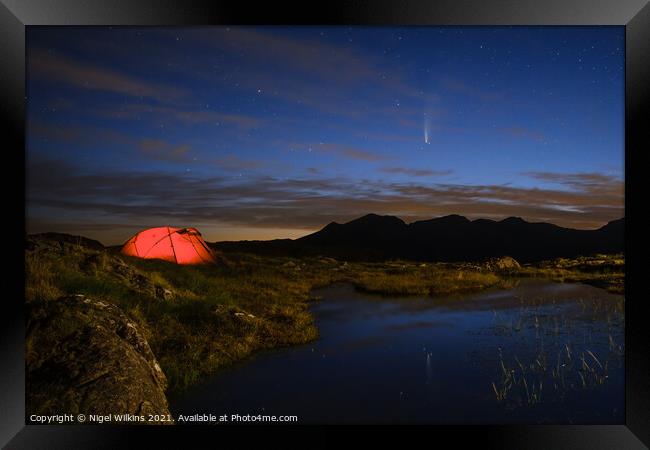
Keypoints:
pixel 272 132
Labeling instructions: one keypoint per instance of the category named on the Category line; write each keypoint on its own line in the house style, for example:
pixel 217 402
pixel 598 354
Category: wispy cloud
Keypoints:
pixel 301 203
pixel 339 150
pixel 350 152
pixel 165 151
pixel 462 87
pixel 233 162
pixel 85 75
pixel 75 133
pixel 89 135
pixel 415 172
pixel 305 56
pixel 322 72
pixel 524 133
pixel 183 115
pixel 593 182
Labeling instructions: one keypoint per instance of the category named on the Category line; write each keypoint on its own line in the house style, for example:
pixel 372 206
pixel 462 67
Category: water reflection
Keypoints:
pixel 540 352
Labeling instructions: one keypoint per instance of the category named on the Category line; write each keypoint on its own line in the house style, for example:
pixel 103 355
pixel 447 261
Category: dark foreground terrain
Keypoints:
pixel 113 334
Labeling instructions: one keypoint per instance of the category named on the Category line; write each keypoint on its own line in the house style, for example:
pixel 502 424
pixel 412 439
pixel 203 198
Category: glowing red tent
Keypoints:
pixel 177 245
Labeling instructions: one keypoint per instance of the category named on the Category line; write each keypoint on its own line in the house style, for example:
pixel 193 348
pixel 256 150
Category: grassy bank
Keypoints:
pixel 407 278
pixel 198 319
pixel 603 271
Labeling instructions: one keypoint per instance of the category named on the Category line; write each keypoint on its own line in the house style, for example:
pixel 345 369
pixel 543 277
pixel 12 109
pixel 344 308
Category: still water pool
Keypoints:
pixel 540 352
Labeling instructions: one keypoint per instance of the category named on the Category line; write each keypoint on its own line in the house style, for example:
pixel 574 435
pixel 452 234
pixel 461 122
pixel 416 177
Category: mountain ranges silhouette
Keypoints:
pixel 448 238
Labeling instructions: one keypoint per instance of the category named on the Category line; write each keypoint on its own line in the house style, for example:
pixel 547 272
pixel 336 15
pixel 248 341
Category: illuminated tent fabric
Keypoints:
pixel 177 245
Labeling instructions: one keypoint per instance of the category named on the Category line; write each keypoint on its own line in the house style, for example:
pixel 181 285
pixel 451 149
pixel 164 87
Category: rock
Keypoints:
pixel 43 247
pixel 327 260
pixel 68 238
pixel 107 264
pixel 240 313
pixel 102 263
pixel 503 263
pixel 86 356
pixel 163 294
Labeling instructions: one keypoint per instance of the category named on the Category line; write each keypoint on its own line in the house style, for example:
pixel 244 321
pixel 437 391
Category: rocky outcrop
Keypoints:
pixel 94 261
pixel 112 265
pixel 70 239
pixel 85 356
pixel 505 263
pixel 47 246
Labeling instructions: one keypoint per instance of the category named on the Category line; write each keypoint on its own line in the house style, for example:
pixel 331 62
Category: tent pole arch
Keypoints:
pixel 156 243
pixel 169 234
pixel 197 252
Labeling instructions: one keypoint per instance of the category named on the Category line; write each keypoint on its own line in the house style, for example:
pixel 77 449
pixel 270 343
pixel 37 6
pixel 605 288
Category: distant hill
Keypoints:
pixel 449 238
pixel 69 238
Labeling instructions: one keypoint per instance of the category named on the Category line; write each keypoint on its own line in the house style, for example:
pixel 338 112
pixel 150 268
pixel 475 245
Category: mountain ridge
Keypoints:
pixel 448 238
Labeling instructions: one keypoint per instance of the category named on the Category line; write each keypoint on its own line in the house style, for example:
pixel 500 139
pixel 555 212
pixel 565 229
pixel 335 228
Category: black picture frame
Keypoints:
pixel 634 15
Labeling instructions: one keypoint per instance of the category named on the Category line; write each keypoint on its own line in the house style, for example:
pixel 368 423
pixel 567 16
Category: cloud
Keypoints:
pixel 53 132
pixel 308 56
pixel 415 172
pixel 462 87
pixel 181 114
pixel 524 133
pixel 322 73
pixel 340 150
pixel 582 201
pixel 583 181
pixel 80 134
pixel 299 204
pixel 308 73
pixel 602 188
pixel 349 152
pixel 50 66
pixel 88 135
pixel 164 151
pixel 233 162
pixel 413 138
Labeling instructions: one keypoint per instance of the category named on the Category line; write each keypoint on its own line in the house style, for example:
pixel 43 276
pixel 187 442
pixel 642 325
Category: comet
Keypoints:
pixel 426 129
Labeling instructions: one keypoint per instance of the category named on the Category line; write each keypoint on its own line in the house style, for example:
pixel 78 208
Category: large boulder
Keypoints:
pixel 85 356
